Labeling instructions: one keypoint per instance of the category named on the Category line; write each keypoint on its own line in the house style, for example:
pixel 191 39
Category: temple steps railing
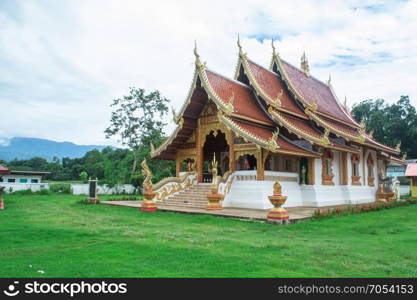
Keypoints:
pixel 172 185
pixel 225 182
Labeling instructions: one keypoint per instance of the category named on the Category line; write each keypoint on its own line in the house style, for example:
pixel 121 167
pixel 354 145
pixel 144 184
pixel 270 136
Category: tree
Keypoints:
pixel 391 123
pixel 137 121
pixel 84 176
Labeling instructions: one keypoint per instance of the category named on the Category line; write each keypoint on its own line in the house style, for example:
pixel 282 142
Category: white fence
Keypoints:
pixel 83 189
pixel 14 187
pixel 405 190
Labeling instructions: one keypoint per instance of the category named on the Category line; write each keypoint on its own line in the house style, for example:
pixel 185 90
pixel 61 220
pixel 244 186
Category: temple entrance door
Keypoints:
pixel 215 143
pixel 303 172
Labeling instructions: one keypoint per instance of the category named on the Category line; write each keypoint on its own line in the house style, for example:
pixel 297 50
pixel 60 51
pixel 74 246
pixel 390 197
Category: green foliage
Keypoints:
pixel 84 176
pixel 62 188
pixel 391 123
pixel 321 213
pixel 137 121
pixel 110 166
pixel 30 192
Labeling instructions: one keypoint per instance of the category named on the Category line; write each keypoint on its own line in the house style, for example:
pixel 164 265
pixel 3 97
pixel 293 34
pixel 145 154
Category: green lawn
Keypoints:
pixel 63 238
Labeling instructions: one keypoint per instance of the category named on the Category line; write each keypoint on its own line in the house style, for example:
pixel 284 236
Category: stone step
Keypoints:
pixel 195 196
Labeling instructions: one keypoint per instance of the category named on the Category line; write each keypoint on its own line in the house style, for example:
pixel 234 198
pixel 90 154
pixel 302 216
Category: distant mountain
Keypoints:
pixel 25 148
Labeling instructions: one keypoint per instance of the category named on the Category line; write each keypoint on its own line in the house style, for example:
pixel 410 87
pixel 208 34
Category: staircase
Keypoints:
pixel 196 196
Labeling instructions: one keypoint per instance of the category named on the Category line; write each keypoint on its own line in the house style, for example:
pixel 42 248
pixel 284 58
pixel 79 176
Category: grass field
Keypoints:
pixel 62 238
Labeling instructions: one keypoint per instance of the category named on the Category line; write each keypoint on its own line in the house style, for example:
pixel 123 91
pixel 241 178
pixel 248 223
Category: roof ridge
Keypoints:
pixel 310 76
pixel 266 69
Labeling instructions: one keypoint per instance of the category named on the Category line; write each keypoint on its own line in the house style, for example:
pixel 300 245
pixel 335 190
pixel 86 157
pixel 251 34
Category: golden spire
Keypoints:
pixel 371 134
pixel 304 64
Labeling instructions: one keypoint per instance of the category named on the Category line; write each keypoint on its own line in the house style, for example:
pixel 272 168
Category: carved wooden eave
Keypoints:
pixel 270 144
pixel 372 143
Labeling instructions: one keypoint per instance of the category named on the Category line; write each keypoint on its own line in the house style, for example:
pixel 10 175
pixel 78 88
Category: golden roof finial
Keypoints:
pixel 404 157
pixel 274 52
pixel 304 64
pixel 371 134
pixel 174 115
pixel 345 102
pixel 329 81
pixel 198 62
pixel 362 124
pixel 398 146
pixel 241 54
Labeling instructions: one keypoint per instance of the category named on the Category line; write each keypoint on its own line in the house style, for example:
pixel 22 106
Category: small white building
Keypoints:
pixel 20 177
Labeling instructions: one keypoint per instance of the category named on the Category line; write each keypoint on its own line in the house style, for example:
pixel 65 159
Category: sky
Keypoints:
pixel 62 62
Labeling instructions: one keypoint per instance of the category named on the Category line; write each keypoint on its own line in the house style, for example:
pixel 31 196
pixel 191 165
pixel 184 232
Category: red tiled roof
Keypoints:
pixel 272 86
pixel 314 90
pixel 411 170
pixel 266 134
pixel 342 127
pixel 244 103
pixel 301 125
pixel 373 142
pixel 4 170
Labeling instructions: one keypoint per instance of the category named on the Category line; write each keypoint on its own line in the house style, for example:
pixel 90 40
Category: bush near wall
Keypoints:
pixel 62 188
pixel 356 209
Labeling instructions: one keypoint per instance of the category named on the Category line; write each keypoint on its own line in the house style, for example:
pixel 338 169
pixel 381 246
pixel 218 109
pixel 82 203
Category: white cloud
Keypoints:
pixel 64 61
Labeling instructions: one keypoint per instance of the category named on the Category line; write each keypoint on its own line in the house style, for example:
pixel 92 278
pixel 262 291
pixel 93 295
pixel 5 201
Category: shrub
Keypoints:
pixel 44 192
pixel 356 209
pixel 23 192
pixel 61 188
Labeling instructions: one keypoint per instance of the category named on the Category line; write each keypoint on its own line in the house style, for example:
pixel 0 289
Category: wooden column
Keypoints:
pixel 311 171
pixel 177 166
pixel 199 152
pixel 260 166
pixel 343 169
pixel 232 163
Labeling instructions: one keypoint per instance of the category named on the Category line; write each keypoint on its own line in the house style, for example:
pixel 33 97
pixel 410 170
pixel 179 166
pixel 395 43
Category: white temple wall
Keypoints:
pixel 336 167
pixel 317 171
pixel 250 193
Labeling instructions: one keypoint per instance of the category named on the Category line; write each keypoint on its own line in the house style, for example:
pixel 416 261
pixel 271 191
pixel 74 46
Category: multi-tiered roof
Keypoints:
pixel 282 109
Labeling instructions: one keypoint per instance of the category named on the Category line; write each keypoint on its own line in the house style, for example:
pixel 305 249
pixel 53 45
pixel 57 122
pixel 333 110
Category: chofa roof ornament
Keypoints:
pixel 241 53
pixel 198 62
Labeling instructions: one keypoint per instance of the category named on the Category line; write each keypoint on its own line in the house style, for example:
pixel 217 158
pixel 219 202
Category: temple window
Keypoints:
pixel 355 170
pixel 327 168
pixel 370 165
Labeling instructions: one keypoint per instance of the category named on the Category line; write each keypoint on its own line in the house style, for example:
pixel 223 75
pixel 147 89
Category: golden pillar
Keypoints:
pixel 232 163
pixel 199 152
pixel 177 166
pixel 260 165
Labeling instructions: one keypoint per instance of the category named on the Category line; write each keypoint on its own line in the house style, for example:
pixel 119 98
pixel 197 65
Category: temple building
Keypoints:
pixel 268 124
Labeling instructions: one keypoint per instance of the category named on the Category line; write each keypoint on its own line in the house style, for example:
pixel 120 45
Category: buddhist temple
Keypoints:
pixel 268 124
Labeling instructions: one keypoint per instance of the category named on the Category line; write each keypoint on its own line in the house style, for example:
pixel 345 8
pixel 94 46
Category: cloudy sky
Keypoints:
pixel 62 62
